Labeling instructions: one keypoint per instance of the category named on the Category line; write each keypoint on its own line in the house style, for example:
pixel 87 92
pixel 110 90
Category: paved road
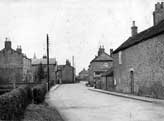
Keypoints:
pixel 76 103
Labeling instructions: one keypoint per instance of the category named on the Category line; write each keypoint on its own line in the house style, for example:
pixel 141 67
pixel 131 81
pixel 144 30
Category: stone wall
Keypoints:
pixel 146 59
pixel 13 66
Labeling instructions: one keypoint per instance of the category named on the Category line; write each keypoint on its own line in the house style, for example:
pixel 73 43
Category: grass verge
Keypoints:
pixel 41 112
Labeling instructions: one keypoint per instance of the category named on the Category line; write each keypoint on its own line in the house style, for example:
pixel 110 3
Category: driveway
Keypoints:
pixel 76 103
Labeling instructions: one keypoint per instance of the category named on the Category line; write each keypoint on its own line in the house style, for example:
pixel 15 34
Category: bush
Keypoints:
pixel 39 93
pixel 13 104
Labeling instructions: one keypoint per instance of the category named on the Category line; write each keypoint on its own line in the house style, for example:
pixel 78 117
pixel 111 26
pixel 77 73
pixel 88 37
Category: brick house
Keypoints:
pixel 43 61
pixel 139 61
pixel 65 73
pixel 100 64
pixel 14 65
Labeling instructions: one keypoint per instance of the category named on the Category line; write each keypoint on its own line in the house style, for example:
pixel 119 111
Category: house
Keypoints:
pixel 100 64
pixel 65 73
pixel 107 81
pixel 14 65
pixel 42 63
pixel 139 61
pixel 83 75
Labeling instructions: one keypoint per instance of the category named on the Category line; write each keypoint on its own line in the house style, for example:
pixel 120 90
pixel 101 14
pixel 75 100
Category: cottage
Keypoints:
pixel 139 61
pixel 14 65
pixel 100 64
pixel 36 63
pixel 65 73
pixel 83 75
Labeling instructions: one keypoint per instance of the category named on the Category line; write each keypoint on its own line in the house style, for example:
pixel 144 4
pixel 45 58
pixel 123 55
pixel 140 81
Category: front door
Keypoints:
pixel 132 81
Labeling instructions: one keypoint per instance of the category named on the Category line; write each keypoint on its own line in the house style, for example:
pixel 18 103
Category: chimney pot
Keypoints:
pixel 7 44
pixel 158 14
pixel 134 29
pixel 19 49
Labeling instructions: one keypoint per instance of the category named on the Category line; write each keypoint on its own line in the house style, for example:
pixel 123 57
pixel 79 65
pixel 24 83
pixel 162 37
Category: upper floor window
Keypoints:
pixel 120 57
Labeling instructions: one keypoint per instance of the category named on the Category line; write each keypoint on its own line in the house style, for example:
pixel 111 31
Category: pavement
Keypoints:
pixel 75 102
pixel 145 99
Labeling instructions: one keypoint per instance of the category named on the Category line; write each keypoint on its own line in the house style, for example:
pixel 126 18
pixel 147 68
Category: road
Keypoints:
pixel 76 103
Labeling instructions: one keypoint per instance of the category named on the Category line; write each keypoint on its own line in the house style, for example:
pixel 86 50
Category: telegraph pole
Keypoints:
pixel 73 64
pixel 48 80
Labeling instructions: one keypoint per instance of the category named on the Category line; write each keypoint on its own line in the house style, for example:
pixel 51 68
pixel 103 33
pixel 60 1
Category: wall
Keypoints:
pixel 52 71
pixel 67 74
pixel 147 61
pixel 27 70
pixel 98 66
pixel 11 65
pixel 107 83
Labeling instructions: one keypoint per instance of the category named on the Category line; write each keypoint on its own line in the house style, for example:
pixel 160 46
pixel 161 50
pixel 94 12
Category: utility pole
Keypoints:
pixel 48 80
pixel 73 64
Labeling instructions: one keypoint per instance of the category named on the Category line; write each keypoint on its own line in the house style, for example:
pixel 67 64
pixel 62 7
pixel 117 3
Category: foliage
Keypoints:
pixel 40 74
pixel 41 113
pixel 39 93
pixel 13 104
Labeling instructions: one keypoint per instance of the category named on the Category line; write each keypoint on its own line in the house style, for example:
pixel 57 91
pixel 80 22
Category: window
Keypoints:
pixel 120 57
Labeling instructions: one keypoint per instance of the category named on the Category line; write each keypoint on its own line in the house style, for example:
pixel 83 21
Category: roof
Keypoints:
pixel 103 57
pixel 108 73
pixel 142 36
pixel 23 55
pixel 43 61
pixel 83 72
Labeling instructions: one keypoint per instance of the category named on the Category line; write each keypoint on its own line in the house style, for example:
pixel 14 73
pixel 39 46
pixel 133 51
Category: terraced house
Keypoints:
pixel 139 61
pixel 100 64
pixel 14 65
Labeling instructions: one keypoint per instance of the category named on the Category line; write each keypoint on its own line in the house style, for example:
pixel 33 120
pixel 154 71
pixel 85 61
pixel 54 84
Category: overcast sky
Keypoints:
pixel 76 27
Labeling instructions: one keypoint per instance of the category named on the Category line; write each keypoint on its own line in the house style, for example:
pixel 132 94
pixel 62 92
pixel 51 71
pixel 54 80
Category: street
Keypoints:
pixel 76 103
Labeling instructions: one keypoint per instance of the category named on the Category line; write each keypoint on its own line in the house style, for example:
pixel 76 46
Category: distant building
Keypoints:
pixel 14 65
pixel 65 73
pixel 43 62
pixel 139 61
pixel 100 64
pixel 83 75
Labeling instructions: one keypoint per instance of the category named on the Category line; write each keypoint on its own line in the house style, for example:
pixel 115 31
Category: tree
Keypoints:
pixel 40 72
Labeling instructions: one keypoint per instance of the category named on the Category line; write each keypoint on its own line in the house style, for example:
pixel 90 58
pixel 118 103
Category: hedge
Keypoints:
pixel 39 93
pixel 13 104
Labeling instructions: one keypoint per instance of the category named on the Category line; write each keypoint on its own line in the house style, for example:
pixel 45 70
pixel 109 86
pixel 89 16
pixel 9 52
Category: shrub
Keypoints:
pixel 39 93
pixel 13 104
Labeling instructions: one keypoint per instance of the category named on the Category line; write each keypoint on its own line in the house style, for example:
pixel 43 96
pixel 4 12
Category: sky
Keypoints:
pixel 75 27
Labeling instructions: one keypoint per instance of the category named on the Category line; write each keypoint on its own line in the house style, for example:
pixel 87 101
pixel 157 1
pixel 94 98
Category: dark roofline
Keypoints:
pixel 23 55
pixel 142 36
pixel 94 60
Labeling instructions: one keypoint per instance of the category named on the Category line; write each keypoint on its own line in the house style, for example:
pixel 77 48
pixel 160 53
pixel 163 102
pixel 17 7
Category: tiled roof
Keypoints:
pixel 43 61
pixel 142 36
pixel 103 57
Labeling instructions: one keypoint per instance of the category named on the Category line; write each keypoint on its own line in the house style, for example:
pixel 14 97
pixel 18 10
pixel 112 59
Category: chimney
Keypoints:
pixel 44 56
pixel 19 49
pixel 7 44
pixel 134 29
pixel 101 50
pixel 158 14
pixel 111 52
